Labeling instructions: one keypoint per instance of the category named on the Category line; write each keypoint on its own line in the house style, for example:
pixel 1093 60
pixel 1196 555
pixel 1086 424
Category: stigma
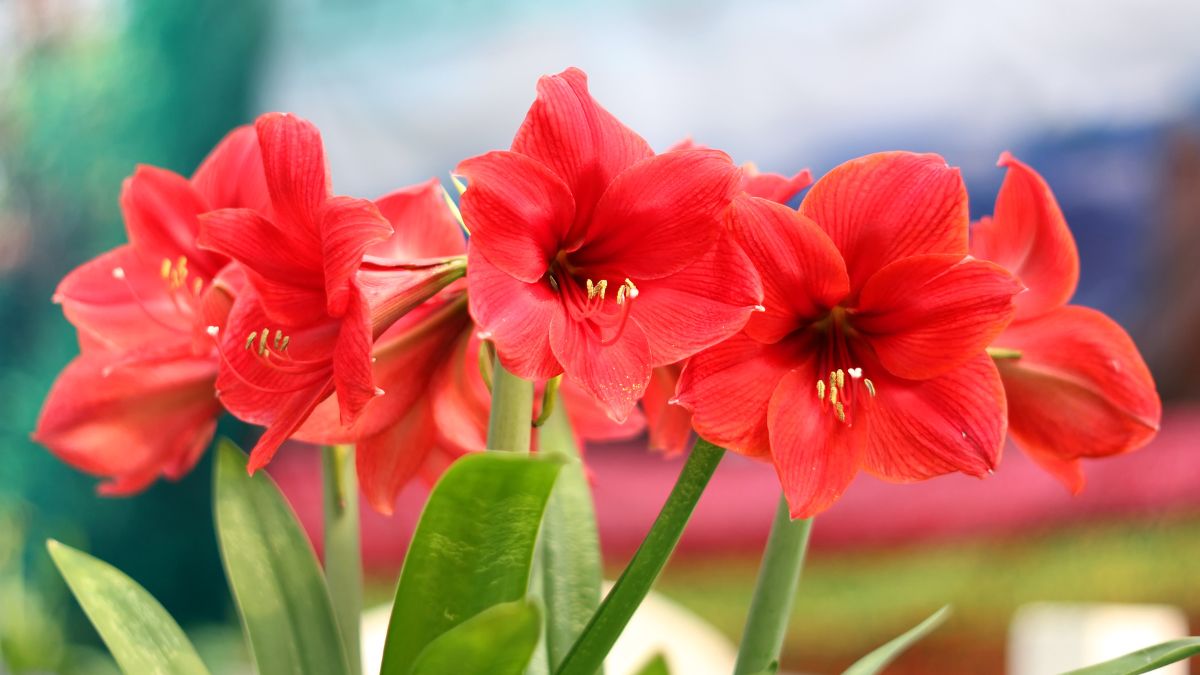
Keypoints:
pixel 838 397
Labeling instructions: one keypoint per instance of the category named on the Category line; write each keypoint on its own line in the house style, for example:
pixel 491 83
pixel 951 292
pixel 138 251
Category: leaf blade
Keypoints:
pixel 139 633
pixel 879 659
pixel 1145 660
pixel 273 572
pixel 497 641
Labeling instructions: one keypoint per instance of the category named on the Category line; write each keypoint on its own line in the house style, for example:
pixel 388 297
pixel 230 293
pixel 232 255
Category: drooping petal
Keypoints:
pixel 952 422
pixel 660 214
pixel 1029 236
pixel 294 164
pixel 387 461
pixel 1069 472
pixel 131 423
pixel 290 413
pixel 424 226
pixel 815 455
pixel 1080 387
pixel 232 176
pixel 590 421
pixel 773 186
pixel 615 374
pixel 727 389
pixel 700 305
pixel 890 205
pixel 517 210
pixel 352 375
pixel 117 302
pixel 803 275
pixel 160 209
pixel 926 314
pixel 348 228
pixel 515 315
pixel 670 424
pixel 580 141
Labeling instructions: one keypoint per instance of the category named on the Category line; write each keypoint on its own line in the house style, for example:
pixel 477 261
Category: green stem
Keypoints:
pixel 587 655
pixel 343 556
pixel 774 592
pixel 510 424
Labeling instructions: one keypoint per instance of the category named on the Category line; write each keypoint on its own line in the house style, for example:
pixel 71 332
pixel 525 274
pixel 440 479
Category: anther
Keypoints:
pixel 166 268
pixel 262 341
pixel 278 337
pixel 283 345
pixel 841 412
pixel 197 284
pixel 841 378
pixel 821 390
pixel 833 395
pixel 870 387
pixel 250 338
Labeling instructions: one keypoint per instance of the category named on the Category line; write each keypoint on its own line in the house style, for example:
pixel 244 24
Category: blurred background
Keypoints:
pixel 1104 100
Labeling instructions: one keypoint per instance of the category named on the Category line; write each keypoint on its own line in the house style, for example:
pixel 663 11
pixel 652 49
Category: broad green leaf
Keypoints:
pixel 472 549
pixel 139 633
pixel 656 666
pixel 277 584
pixel 1145 660
pixel 497 641
pixel 569 545
pixel 879 659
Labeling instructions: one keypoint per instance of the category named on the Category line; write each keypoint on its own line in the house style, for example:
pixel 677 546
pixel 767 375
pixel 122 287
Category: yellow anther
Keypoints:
pixel 262 341
pixel 841 378
pixel 870 387
pixel 833 395
pixel 278 337
pixel 841 412
pixel 596 289
pixel 283 345
pixel 627 290
pixel 166 268
pixel 250 338
pixel 197 284
pixel 821 390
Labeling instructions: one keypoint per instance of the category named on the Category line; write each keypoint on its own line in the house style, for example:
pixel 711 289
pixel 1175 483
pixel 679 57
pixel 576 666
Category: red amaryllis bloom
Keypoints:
pixel 870 354
pixel 1077 386
pixel 139 400
pixel 304 326
pixel 435 406
pixel 591 255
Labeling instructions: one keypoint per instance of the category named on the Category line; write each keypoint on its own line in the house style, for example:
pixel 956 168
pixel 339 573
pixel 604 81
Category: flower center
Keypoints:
pixel 839 394
pixel 589 303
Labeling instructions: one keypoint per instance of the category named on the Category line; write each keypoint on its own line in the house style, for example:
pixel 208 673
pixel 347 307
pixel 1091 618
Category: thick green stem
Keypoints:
pixel 774 593
pixel 589 651
pixel 510 424
pixel 343 556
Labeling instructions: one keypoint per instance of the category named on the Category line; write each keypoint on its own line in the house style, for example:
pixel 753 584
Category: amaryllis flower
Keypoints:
pixel 139 401
pixel 304 326
pixel 1077 386
pixel 590 254
pixel 870 354
pixel 435 403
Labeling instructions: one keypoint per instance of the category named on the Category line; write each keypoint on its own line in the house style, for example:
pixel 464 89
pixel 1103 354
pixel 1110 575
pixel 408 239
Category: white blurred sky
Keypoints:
pixel 402 90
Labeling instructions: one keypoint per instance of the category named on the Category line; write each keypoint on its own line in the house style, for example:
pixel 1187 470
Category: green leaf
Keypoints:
pixel 656 666
pixel 277 584
pixel 879 659
pixel 497 641
pixel 569 545
pixel 472 549
pixel 142 637
pixel 1145 660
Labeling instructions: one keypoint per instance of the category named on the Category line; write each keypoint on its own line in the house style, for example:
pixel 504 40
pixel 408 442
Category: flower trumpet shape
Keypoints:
pixel 593 256
pixel 304 326
pixel 1077 387
pixel 871 352
pixel 139 401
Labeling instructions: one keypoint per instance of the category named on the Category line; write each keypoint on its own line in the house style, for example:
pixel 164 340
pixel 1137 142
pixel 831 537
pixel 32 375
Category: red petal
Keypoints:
pixel 728 387
pixel 815 455
pixel 348 228
pixel 461 401
pixel 697 307
pixel 582 142
pixel 887 206
pixel 290 414
pixel 160 209
pixel 660 214
pixel 1080 388
pixel 133 422
pixel 591 422
pixel 927 314
pixel 616 374
pixel 515 315
pixel 232 176
pixel 387 461
pixel 952 422
pixel 1029 236
pixel 670 423
pixel 125 309
pixel 352 359
pixel 518 212
pixel 262 247
pixel 294 163
pixel 803 275
pixel 424 226
pixel 773 186
pixel 1069 472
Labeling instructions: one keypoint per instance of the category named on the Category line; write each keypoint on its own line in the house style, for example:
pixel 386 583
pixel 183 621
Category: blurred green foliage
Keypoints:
pixel 153 82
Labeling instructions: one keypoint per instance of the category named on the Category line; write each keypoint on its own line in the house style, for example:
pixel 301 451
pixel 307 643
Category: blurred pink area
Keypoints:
pixel 734 515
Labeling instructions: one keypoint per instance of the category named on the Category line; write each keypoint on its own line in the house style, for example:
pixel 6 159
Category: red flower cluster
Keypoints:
pixel 862 331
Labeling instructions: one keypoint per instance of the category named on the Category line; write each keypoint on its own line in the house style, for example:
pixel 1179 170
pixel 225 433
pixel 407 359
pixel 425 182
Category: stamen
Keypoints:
pixel 821 390
pixel 870 387
pixel 841 396
pixel 284 344
pixel 166 268
pixel 841 378
pixel 250 338
pixel 841 412
pixel 262 341
pixel 278 337
pixel 833 394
